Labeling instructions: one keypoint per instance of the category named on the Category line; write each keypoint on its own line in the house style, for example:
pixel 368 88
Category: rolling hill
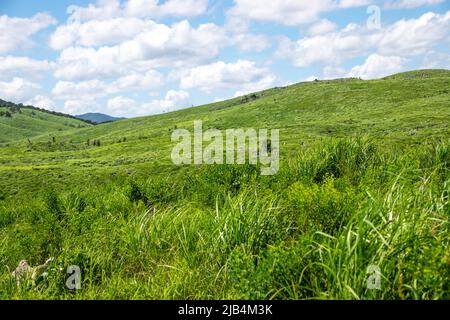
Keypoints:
pixel 394 110
pixel 23 122
pixel 364 184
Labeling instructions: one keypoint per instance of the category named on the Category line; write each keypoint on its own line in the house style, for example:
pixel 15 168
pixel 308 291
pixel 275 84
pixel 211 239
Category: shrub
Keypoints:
pixel 160 191
pixel 345 157
pixel 135 193
pixel 320 206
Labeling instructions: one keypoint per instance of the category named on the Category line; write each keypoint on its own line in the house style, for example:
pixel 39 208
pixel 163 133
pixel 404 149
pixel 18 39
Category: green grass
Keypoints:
pixel 29 123
pixel 364 180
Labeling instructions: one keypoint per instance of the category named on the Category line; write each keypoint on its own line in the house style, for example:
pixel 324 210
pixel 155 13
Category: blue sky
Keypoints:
pixel 140 57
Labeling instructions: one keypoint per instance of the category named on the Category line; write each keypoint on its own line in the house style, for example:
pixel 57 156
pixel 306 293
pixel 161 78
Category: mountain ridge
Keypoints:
pixel 98 118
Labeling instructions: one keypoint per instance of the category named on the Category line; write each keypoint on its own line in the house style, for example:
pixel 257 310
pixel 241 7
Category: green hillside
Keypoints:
pixel 18 122
pixel 393 111
pixel 364 181
pixel 427 73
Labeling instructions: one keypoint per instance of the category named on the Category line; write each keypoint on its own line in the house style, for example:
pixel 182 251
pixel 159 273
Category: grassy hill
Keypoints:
pixel 430 73
pixel 364 181
pixel 19 122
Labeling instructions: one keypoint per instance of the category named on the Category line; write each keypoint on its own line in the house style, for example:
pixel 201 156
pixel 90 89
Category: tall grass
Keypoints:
pixel 216 232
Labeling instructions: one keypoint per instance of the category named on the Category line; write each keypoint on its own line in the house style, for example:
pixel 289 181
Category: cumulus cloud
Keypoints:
pixel 95 88
pixel 250 42
pixel 408 4
pixel 95 33
pixel 157 46
pixel 242 75
pixel 87 90
pixel 353 3
pixel 16 32
pixel 125 106
pixel 121 106
pixel 152 8
pixel 329 48
pixel 377 66
pixel 80 106
pixel 149 80
pixel 321 27
pixel 406 37
pixel 107 9
pixel 414 36
pixel 11 65
pixel 172 101
pixel 18 90
pixel 287 12
pixel 41 101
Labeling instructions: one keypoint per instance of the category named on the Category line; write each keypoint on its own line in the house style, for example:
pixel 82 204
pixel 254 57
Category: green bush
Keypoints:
pixel 135 192
pixel 320 207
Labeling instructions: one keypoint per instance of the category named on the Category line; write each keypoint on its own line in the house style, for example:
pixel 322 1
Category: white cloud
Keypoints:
pixel 310 78
pixel 377 66
pixel 125 106
pixel 173 100
pixel 333 72
pixel 238 33
pixel 353 3
pixel 323 26
pixel 287 12
pixel 329 48
pixel 18 90
pixel 86 90
pixel 157 46
pixel 107 9
pixel 87 63
pixel 121 106
pixel 290 12
pixel 41 102
pixel 10 65
pixel 414 36
pixel 16 32
pixel 250 42
pixel 403 38
pixel 95 33
pixel 408 4
pixel 242 75
pixel 149 80
pixel 103 9
pixel 151 8
pixel 262 84
pixel 436 60
pixel 80 106
pixel 95 88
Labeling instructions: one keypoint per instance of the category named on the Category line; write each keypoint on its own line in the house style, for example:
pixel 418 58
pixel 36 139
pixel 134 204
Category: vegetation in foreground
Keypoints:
pixel 139 227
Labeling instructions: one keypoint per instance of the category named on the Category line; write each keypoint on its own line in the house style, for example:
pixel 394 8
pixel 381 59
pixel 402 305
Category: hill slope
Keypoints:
pixel 426 73
pixel 98 117
pixel 364 184
pixel 393 110
pixel 18 122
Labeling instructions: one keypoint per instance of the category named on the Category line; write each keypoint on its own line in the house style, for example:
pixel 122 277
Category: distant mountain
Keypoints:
pixel 98 117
